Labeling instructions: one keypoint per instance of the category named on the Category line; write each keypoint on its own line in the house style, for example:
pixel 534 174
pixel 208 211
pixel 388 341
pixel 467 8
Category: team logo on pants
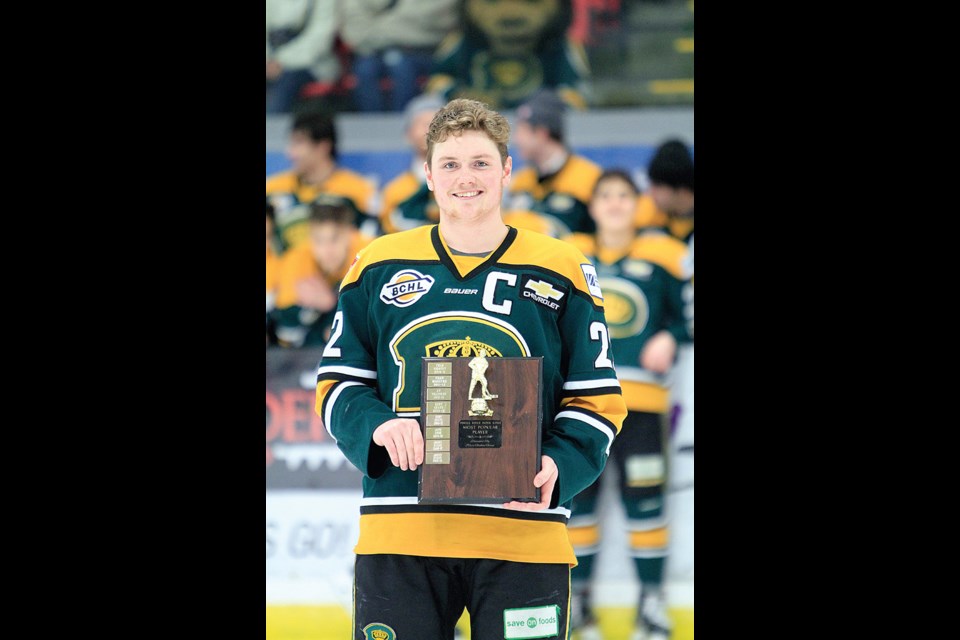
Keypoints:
pixel 379 631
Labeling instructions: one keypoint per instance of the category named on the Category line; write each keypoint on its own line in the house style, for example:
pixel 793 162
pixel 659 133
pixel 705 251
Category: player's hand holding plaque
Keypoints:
pixel 481 422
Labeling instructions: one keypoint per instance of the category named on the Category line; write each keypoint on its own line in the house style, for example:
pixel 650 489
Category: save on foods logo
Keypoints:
pixel 531 622
pixel 405 288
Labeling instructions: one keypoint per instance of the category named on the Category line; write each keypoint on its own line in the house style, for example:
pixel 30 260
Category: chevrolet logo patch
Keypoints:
pixel 544 289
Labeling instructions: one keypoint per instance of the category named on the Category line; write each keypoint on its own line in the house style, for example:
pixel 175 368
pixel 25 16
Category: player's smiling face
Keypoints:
pixel 467 175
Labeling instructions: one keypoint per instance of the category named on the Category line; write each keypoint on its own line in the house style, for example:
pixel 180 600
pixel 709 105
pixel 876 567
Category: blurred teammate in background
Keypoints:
pixel 312 150
pixel 273 275
pixel 642 280
pixel 407 202
pixel 555 184
pixel 670 173
pixel 310 276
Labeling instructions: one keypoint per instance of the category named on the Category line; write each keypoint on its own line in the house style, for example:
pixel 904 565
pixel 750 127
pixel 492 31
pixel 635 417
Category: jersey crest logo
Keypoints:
pixel 625 307
pixel 461 349
pixel 593 282
pixel 379 631
pixel 405 288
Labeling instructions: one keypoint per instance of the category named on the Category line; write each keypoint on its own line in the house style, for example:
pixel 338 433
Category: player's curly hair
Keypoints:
pixel 464 114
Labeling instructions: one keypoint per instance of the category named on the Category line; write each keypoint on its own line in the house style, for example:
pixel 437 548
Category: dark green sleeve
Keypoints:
pixel 679 309
pixel 593 409
pixel 351 409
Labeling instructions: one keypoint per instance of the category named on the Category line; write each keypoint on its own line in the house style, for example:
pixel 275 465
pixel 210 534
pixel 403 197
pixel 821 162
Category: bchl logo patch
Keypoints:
pixel 593 282
pixel 379 631
pixel 532 622
pixel 405 288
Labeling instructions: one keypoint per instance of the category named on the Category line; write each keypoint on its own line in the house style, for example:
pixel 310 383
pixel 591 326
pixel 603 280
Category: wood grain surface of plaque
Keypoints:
pixel 488 448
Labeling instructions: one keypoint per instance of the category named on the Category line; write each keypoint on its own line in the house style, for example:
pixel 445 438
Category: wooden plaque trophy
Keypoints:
pixel 481 421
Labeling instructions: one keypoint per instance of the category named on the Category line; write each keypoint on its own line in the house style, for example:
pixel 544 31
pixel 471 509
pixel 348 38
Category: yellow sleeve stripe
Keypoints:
pixel 323 388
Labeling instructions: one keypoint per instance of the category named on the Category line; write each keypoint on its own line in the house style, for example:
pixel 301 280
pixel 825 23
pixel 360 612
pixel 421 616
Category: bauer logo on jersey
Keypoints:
pixel 543 292
pixel 405 288
pixel 593 282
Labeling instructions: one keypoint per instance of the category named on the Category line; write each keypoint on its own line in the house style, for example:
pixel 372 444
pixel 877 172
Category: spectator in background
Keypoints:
pixel 407 202
pixel 310 276
pixel 670 173
pixel 648 315
pixel 393 39
pixel 300 49
pixel 316 176
pixel 506 50
pixel 556 182
pixel 273 273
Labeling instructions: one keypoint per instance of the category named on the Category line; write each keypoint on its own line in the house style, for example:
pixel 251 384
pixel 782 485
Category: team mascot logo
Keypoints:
pixel 405 288
pixel 379 631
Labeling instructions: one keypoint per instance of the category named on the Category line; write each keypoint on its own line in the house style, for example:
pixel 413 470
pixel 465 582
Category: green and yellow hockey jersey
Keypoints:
pixel 290 197
pixel 650 216
pixel 646 289
pixel 562 197
pixel 407 203
pixel 298 326
pixel 408 297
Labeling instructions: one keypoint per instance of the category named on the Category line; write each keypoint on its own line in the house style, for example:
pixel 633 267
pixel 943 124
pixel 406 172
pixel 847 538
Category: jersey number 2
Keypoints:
pixel 331 351
pixel 598 331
